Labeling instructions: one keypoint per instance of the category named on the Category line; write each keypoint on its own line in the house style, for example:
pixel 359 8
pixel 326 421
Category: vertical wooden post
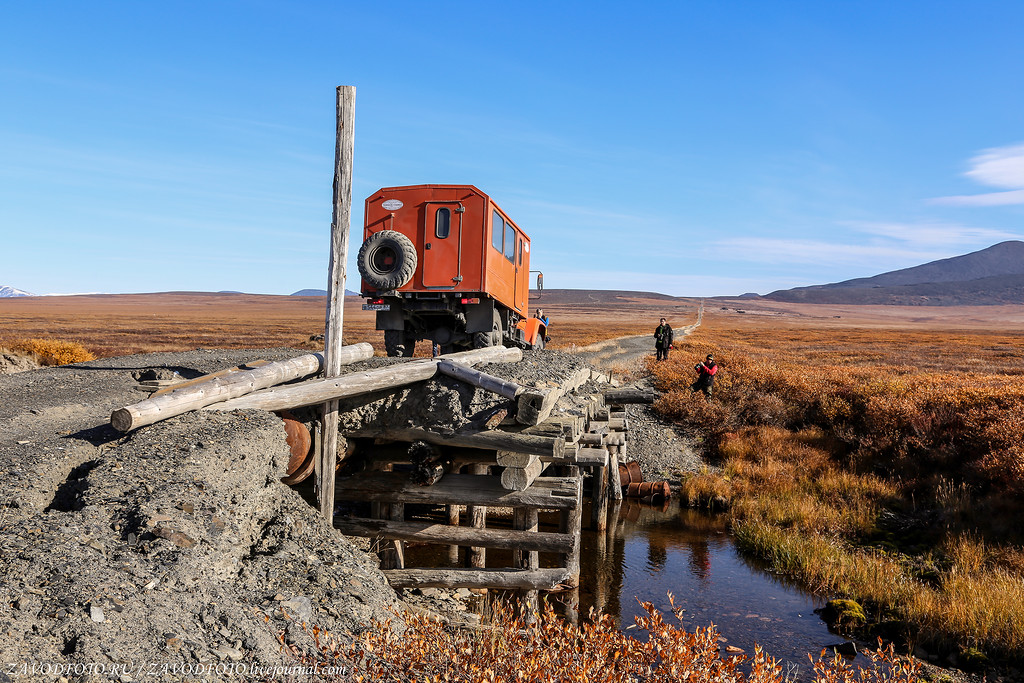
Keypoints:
pixel 477 514
pixel 343 153
pixel 527 519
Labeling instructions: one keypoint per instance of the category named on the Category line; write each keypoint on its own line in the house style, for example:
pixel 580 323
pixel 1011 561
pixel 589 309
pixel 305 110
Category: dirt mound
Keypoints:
pixel 167 545
pixel 11 363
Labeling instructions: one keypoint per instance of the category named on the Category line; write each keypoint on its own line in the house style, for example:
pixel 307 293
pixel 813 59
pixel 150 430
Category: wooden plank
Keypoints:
pixel 551 493
pixel 523 579
pixel 629 396
pixel 520 478
pixel 443 534
pixel 181 384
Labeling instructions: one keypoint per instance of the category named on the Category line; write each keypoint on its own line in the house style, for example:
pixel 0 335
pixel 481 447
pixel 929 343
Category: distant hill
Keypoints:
pixel 987 277
pixel 320 292
pixel 6 291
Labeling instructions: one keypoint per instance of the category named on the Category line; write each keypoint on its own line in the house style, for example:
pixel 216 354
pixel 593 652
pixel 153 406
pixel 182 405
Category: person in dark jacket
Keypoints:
pixel 706 372
pixel 662 340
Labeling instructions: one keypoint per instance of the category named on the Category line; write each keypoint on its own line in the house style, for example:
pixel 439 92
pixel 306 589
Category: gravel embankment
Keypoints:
pixel 171 543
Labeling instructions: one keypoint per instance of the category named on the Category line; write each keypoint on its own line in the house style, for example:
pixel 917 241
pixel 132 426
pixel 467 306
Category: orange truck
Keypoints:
pixel 444 263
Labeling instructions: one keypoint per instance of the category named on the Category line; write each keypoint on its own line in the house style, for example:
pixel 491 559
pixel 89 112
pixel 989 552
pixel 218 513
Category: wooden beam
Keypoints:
pixel 495 439
pixel 629 396
pixel 224 386
pixel 442 534
pixel 483 380
pixel 340 224
pixel 550 493
pixel 523 579
pixel 320 391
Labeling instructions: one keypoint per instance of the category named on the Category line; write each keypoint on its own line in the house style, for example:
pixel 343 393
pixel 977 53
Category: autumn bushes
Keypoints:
pixel 50 351
pixel 896 484
pixel 549 649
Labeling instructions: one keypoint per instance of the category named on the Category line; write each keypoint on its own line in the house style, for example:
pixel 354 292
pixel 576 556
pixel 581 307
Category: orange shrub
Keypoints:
pixel 53 351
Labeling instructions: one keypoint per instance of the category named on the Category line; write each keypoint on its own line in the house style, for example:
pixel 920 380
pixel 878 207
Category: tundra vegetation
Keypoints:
pixel 878 465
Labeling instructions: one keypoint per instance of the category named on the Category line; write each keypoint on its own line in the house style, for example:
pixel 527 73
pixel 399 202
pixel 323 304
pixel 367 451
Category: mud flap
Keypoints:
pixel 480 317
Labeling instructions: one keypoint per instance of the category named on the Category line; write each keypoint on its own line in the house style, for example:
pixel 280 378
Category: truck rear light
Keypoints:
pixel 375 301
pixel 474 300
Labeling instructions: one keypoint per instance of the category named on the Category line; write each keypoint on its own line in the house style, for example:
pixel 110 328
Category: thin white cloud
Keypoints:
pixel 668 283
pixel 1000 167
pixel 931 233
pixel 769 250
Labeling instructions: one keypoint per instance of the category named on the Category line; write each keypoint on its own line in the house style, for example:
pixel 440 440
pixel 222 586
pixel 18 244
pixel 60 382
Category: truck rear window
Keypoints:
pixel 497 230
pixel 510 242
pixel 443 222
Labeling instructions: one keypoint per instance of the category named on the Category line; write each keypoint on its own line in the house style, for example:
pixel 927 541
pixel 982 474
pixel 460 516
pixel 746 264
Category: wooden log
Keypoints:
pixel 522 579
pixel 629 396
pixel 442 534
pixel 599 505
pixel 477 514
pixel 528 522
pixel 494 439
pixel 592 457
pixel 394 554
pixel 592 440
pixel 615 439
pixel 319 391
pixel 520 478
pixel 225 386
pixel 571 523
pixel 617 414
pixel 618 424
pixel 453 521
pixel 614 482
pixel 546 493
pixel 597 427
pixel 483 380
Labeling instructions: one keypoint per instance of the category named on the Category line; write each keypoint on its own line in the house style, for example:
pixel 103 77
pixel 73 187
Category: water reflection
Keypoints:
pixel 649 552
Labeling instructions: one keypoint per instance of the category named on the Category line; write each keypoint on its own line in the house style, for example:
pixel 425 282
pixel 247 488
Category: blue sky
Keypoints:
pixel 690 148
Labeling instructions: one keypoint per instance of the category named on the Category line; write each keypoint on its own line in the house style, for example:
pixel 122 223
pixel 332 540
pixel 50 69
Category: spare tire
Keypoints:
pixel 387 259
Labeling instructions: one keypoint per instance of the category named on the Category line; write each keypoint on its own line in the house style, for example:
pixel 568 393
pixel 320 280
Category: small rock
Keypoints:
pixel 187 507
pixel 96 613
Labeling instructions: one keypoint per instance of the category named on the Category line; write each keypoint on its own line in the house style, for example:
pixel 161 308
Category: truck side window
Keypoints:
pixel 497 231
pixel 510 242
pixel 443 222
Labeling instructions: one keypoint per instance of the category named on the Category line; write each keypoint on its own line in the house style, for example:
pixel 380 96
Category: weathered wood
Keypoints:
pixel 629 396
pixel 224 386
pixel 551 493
pixel 344 149
pixel 483 380
pixel 520 478
pixel 523 579
pixel 319 391
pixel 619 424
pixel 571 523
pixel 599 504
pixel 477 517
pixel 614 482
pixel 453 521
pixel 535 406
pixel 527 521
pixel 592 440
pixel 592 457
pixel 494 439
pixel 442 534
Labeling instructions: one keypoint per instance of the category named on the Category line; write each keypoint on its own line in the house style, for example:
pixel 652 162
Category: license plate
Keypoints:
pixel 376 307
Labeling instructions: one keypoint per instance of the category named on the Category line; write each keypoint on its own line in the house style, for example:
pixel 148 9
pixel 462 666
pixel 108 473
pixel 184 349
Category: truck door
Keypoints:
pixel 442 239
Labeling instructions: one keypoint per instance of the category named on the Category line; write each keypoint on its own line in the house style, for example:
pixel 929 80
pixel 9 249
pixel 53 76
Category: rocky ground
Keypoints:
pixel 177 544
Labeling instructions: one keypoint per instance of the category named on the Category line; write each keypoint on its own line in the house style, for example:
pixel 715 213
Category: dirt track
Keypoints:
pixel 625 353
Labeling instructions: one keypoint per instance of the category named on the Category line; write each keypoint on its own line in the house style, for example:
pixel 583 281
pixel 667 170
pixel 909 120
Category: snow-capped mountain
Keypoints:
pixel 11 291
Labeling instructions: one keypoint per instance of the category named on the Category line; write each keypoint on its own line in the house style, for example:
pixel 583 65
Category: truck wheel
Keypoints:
pixel 399 343
pixel 482 340
pixel 387 259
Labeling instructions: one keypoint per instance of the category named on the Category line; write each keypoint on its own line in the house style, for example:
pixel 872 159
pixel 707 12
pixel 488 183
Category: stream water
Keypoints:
pixel 653 551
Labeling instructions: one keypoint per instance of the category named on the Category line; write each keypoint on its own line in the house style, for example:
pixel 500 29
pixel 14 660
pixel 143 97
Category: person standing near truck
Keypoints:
pixel 662 340
pixel 706 372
